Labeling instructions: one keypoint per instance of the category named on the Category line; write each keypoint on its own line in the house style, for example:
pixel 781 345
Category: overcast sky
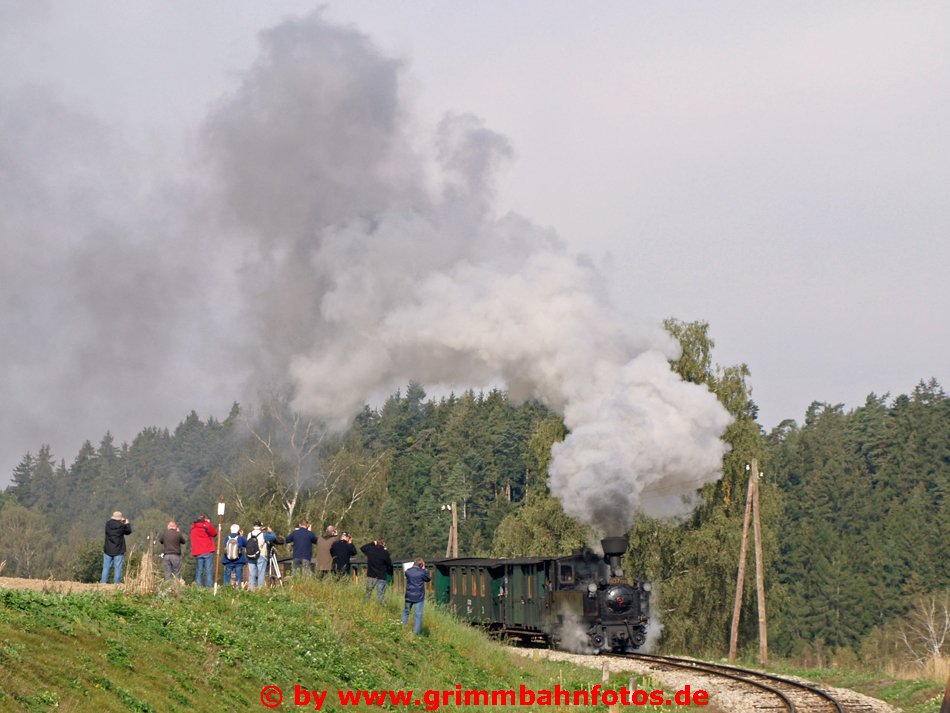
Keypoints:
pixel 780 170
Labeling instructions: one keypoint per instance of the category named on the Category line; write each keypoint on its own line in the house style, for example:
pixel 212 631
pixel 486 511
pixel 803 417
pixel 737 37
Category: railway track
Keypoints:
pixel 768 691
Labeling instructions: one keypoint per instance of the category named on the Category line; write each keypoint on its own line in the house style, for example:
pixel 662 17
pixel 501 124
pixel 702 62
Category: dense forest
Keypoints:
pixel 852 502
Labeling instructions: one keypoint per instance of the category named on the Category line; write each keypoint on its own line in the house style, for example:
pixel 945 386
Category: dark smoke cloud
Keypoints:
pixel 107 318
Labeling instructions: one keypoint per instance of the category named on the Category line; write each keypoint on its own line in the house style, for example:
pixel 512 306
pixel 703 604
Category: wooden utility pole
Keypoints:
pixel 759 567
pixel 740 581
pixel 751 512
pixel 452 547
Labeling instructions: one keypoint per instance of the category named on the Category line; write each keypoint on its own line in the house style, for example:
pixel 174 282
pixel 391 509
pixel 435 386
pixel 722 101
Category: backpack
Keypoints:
pixel 253 549
pixel 232 550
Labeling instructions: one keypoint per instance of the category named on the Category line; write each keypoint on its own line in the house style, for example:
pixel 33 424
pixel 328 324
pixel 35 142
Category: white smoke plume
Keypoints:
pixel 397 282
pixel 325 239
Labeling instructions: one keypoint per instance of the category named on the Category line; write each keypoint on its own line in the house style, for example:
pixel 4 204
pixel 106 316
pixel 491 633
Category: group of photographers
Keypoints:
pixel 334 551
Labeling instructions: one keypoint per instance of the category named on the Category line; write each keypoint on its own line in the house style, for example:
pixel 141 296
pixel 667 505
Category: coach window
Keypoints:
pixel 464 576
pixel 567 574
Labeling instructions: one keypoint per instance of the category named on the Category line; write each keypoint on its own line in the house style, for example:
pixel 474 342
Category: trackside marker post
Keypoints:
pixel 217 549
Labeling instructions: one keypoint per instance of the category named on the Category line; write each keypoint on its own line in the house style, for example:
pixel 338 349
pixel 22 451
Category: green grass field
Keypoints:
pixel 191 651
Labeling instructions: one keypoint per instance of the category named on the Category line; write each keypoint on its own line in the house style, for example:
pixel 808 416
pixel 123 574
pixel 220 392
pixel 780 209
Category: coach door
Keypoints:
pixel 531 596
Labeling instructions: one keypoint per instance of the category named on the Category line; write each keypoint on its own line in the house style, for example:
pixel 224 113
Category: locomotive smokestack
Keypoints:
pixel 614 547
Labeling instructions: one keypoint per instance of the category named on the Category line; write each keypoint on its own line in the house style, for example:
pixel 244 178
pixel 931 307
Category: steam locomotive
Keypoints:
pixel 581 602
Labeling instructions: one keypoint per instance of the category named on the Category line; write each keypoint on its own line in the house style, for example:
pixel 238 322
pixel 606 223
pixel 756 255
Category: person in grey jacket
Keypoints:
pixel 171 541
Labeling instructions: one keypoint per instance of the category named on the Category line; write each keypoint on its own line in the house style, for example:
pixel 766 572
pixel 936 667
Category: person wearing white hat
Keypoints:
pixel 234 559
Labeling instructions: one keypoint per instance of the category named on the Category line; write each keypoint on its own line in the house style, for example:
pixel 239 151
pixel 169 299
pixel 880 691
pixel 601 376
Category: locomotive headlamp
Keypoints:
pixel 646 586
pixel 592 587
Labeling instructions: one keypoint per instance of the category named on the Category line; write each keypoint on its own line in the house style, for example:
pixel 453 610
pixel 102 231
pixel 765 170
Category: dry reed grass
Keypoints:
pixel 145 579
pixel 934 669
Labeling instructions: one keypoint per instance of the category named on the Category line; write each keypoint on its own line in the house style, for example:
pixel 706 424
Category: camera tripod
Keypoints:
pixel 273 568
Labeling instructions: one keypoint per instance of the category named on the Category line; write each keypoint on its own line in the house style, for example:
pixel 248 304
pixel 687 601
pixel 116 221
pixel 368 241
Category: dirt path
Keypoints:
pixel 50 585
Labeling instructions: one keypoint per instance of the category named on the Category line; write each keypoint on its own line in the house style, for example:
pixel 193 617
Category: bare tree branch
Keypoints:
pixel 926 626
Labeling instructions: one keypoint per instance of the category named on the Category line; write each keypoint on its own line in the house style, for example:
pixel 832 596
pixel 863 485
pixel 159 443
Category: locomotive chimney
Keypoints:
pixel 614 547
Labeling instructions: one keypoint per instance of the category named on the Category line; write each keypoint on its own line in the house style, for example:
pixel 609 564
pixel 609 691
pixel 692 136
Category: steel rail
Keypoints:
pixel 741 674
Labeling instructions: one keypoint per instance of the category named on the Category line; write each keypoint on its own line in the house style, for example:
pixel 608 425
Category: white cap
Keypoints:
pixel 235 529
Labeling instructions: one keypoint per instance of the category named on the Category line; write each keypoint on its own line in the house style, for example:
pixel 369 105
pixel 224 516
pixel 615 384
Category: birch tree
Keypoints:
pixel 287 449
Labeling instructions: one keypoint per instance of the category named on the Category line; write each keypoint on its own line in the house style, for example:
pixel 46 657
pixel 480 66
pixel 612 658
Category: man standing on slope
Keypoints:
pixel 171 541
pixel 342 550
pixel 378 566
pixel 259 542
pixel 202 549
pixel 416 578
pixel 113 550
pixel 303 541
pixel 324 545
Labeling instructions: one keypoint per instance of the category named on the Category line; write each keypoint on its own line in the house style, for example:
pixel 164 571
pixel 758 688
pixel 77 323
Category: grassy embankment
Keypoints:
pixel 190 651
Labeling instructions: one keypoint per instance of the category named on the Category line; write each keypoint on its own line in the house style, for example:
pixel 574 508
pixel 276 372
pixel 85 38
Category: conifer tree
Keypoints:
pixel 21 488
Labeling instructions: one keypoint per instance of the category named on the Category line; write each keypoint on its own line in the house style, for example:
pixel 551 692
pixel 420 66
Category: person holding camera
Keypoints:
pixel 171 541
pixel 202 549
pixel 233 558
pixel 324 546
pixel 416 578
pixel 113 549
pixel 379 566
pixel 257 550
pixel 341 551
pixel 303 541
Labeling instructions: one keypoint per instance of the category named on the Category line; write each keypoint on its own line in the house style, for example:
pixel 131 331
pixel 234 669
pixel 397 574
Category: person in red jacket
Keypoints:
pixel 202 549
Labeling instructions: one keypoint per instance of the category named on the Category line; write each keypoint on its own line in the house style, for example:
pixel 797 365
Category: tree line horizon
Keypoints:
pixel 852 502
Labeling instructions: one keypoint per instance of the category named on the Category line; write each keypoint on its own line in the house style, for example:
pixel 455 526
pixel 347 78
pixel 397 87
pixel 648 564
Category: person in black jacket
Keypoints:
pixel 113 550
pixel 378 567
pixel 342 550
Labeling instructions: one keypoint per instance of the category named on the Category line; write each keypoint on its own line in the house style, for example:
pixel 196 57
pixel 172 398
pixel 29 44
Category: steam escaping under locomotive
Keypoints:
pixel 582 602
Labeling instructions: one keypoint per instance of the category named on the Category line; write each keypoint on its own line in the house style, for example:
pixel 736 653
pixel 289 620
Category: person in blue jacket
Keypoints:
pixel 416 578
pixel 234 545
pixel 303 541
